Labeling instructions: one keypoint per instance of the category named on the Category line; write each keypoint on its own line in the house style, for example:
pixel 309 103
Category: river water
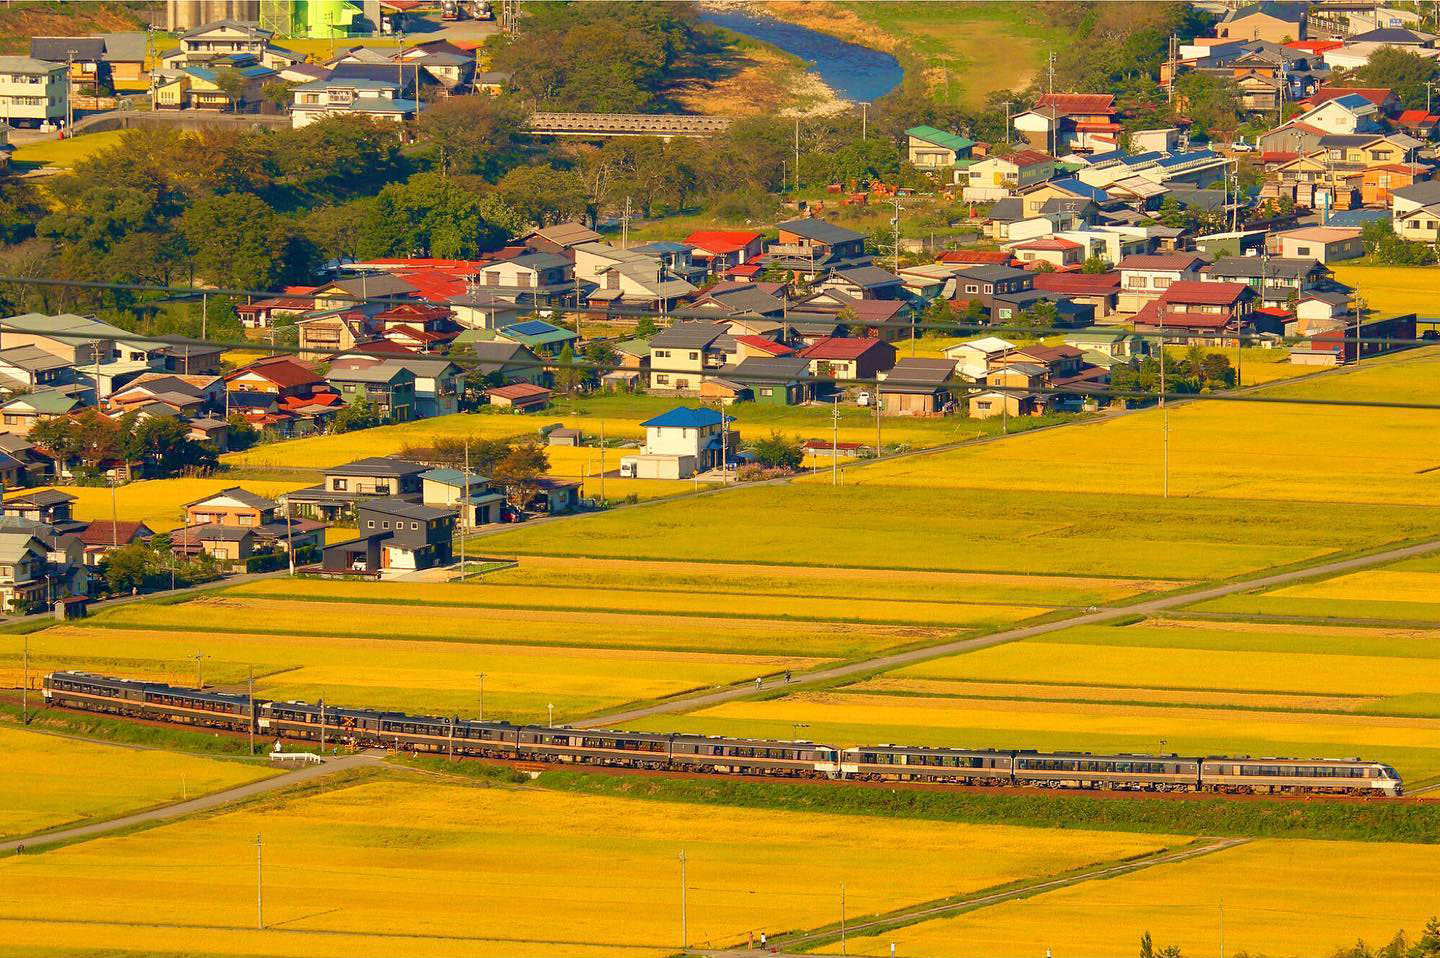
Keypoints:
pixel 852 71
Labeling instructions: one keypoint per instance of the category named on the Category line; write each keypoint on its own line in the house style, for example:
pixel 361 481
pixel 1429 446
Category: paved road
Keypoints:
pixel 1100 616
pixel 926 912
pixel 204 803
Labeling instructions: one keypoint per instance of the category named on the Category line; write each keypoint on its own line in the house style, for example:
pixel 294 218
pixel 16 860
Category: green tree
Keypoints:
pixel 130 567
pixel 777 452
pixel 1095 264
pixel 519 471
pixel 568 376
pixel 645 328
pixel 359 414
pixel 233 84
pixel 429 215
pixel 1400 70
pixel 1147 946
pixel 232 239
pixel 165 444
pixel 473 134
pixel 544 194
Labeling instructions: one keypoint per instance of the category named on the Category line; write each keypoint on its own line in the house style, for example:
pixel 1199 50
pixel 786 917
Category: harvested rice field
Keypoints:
pixel 523 871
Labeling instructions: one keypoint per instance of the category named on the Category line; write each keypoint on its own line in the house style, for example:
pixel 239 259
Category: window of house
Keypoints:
pixel 1135 282
pixel 767 390
pixel 661 379
pixel 1383 179
pixel 972 288
pixel 370 523
pixel 1162 282
pixel 414 525
pixel 694 355
pixel 340 485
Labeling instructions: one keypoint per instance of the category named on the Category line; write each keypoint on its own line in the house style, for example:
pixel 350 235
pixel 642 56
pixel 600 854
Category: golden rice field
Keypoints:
pixel 1274 897
pixel 825 581
pixel 421 676
pixel 47 781
pixel 1397 594
pixel 481 871
pixel 159 503
pixel 1224 450
pixel 1392 289
pixel 495 592
pixel 872 525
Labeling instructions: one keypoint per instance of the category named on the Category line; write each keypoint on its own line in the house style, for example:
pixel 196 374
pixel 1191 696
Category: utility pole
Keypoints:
pixel 1007 122
pixel 25 684
pixel 724 446
pixel 875 401
pixel 289 538
pixel 602 463
pixel 482 696
pixel 69 88
pixel 259 884
pixel 322 726
pixel 251 687
pixel 199 675
pixel 842 919
pixel 464 506
pixel 1054 114
pixel 114 511
pixel 835 444
pixel 865 118
pixel 1165 416
pixel 895 230
pixel 797 156
pixel 684 918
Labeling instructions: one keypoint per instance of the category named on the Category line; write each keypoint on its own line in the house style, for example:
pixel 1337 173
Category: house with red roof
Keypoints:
pixel 758 346
pixel 263 313
pixel 976 257
pixel 103 536
pixel 1100 290
pixel 722 250
pixel 844 358
pixel 1383 97
pixel 1061 123
pixel 1421 124
pixel 1145 277
pixel 1199 312
pixel 280 376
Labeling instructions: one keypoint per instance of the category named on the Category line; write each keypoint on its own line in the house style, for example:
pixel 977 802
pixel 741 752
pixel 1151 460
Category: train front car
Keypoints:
pixel 1320 776
pixel 754 756
pixel 1160 773
pixel 903 763
pixel 147 700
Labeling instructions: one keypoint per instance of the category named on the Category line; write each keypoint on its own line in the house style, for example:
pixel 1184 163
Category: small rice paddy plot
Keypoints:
pixel 1225 450
pixel 406 674
pixel 1397 593
pixel 857 717
pixel 896 585
pixel 1273 897
pixel 520 868
pixel 1392 290
pixel 159 503
pixel 997 531
pixel 47 781
pixel 63 154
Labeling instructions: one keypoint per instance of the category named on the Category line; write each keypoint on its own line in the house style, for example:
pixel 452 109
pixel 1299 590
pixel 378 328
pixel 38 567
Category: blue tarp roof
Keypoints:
pixel 682 417
pixel 1072 185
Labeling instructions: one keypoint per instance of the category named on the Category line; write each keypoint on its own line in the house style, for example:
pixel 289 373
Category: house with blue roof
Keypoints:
pixel 681 442
pixel 196 87
pixel 1034 199
pixel 542 338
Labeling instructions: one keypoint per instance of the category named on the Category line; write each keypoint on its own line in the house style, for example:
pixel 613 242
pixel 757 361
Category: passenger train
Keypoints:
pixel 716 754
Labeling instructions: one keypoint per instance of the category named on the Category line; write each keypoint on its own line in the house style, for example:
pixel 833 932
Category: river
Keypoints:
pixel 852 71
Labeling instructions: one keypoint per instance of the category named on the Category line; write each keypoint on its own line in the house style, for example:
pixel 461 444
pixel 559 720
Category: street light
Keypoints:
pixel 199 674
pixel 552 714
pixel 482 696
pixel 795 730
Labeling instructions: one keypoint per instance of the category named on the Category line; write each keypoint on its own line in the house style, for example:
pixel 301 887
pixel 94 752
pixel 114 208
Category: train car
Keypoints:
pixel 754 756
pixel 147 700
pixel 545 743
pixel 1084 770
pixel 1315 776
pixel 903 763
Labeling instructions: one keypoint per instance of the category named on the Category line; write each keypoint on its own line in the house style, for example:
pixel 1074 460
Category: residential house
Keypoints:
pixel 355 482
pixel 675 259
pixel 51 507
pixel 521 397
pixel 1203 312
pixel 85 56
pixel 1326 244
pixel 238 508
pixel 682 442
pixel 19 415
pixel 25 580
pixel 1279 280
pixel 721 250
pixel 410 535
pixel 932 149
pixel 811 247
pixel 849 359
pixel 632 365
pixel 983 283
pixel 263 313
pixel 992 403
pixel 1034 199
pixel 1054 250
pixel 864 282
pixel 973 359
pixel 917 387
pixel 540 337
pixel 778 380
pixel 499 361
pixel 1415 211
pixel 547 278
pixel 1348 344
pixel 996 177
pixel 628 277
pixel 33 93
pixel 280 376
pixel 388 385
pixel 1101 291
pixel 381 100
pixel 219 39
pixel 1061 123
pixel 101 537
pixel 1378 183
pixel 472 496
pixel 747 301
pixel 437 380
pixel 1277 22
pixel 560 238
pixel 450 67
pixel 30 368
pixel 683 354
pixel 1144 278
pixel 185 395
pixel 1114 343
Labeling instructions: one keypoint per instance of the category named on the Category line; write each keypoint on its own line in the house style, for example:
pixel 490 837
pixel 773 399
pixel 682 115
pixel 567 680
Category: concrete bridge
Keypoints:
pixel 605 125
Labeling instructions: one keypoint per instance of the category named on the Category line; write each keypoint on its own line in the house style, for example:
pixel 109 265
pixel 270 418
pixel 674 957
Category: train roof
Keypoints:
pixel 1104 756
pixel 157 687
pixel 931 750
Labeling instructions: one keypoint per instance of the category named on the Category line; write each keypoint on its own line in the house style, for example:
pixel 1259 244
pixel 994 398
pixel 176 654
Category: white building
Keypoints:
pixel 680 443
pixel 349 96
pixel 33 92
pixel 973 359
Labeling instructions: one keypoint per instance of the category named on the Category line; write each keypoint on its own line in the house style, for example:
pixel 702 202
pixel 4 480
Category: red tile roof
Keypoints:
pixel 283 371
pixel 1170 262
pixel 105 532
pixel 1315 46
pixel 384 346
pixel 722 241
pixel 761 344
pixel 1082 284
pixel 1417 116
pixel 1079 102
pixel 1029 157
pixel 1375 94
pixel 1049 243
pixel 1412 169
pixel 1198 293
pixel 835 347
pixel 745 269
pixel 983 256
